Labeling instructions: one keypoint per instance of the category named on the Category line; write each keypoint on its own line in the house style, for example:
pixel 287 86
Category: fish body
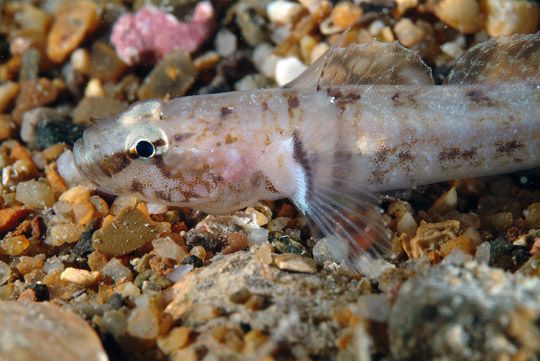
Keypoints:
pixel 327 146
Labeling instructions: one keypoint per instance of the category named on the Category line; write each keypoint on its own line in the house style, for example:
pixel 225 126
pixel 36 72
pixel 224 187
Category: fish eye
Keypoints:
pixel 145 149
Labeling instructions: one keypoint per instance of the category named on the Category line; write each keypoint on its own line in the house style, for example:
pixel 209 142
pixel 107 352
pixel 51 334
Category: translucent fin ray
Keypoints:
pixel 499 60
pixel 374 63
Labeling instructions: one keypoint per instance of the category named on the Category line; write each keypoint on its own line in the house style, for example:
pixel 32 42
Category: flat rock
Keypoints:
pixel 294 308
pixel 470 312
pixel 45 332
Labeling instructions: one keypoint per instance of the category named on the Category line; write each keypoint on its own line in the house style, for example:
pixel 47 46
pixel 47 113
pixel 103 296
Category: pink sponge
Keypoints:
pixel 149 34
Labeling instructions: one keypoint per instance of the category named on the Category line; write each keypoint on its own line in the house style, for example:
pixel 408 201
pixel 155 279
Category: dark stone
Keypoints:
pixel 286 244
pixel 41 291
pixel 201 238
pixel 193 260
pixel 507 256
pixel 4 49
pixel 52 131
pixel 84 246
pixel 116 301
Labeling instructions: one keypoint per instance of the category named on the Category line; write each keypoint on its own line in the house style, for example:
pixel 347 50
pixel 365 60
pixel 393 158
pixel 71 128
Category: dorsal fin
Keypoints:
pixel 371 63
pixel 499 60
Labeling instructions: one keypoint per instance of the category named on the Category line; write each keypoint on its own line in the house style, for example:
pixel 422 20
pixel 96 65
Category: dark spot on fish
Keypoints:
pixel 404 100
pixel 301 158
pixel 159 194
pixel 114 164
pixel 405 156
pixel 182 136
pixel 264 106
pixel 229 139
pixel 226 111
pixel 270 187
pixel 454 153
pixel 292 102
pixel 507 147
pixel 159 143
pixel 342 99
pixel 136 186
pixel 478 98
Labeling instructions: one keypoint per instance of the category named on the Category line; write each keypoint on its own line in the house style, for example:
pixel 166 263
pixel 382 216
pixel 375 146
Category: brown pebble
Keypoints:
pixel 176 339
pixel 236 241
pixel 6 127
pixel 130 230
pixel 28 295
pixel 74 21
pixel 241 296
pixel 32 94
pixel 10 217
pixel 104 64
pixel 14 245
pixel 346 14
pixel 55 180
pixel 8 92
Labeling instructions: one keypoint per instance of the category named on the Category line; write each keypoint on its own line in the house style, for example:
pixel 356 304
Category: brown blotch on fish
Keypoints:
pixel 159 143
pixel 292 103
pixel 159 194
pixel 343 99
pixel 404 100
pixel 264 106
pixel 229 139
pixel 454 153
pixel 301 158
pixel 182 136
pixel 136 186
pixel 114 164
pixel 224 111
pixel 478 98
pixel 507 147
pixel 405 156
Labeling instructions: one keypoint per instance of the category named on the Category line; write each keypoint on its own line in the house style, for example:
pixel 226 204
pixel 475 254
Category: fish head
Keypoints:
pixel 133 154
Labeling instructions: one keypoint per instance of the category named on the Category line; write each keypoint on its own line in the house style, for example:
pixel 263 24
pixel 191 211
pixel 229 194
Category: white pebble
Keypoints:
pixel 282 11
pixel 156 208
pixel 226 42
pixel 179 272
pixel 94 88
pixel 80 60
pixel 483 252
pixel 167 248
pixel 257 236
pixel 287 69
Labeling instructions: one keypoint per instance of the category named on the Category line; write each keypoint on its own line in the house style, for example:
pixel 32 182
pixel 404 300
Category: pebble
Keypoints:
pixel 117 271
pixel 193 261
pixel 80 276
pixel 172 77
pixel 5 272
pixel 464 15
pixel 226 42
pixel 292 262
pixel 287 69
pixel 330 250
pixel 62 233
pixel 28 329
pixel 286 244
pixel 53 128
pixel 94 89
pixel 130 230
pixel 177 338
pixel 80 61
pixel 74 21
pixel 408 33
pixel 470 312
pixel 8 92
pixel 105 64
pixel 143 323
pixel 7 127
pixel 251 24
pixel 282 11
pixel 91 109
pixel 32 94
pixel 235 241
pixel 505 18
pixel 346 14
pixel 35 194
pixel 167 248
pixel 11 217
pixel 532 215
